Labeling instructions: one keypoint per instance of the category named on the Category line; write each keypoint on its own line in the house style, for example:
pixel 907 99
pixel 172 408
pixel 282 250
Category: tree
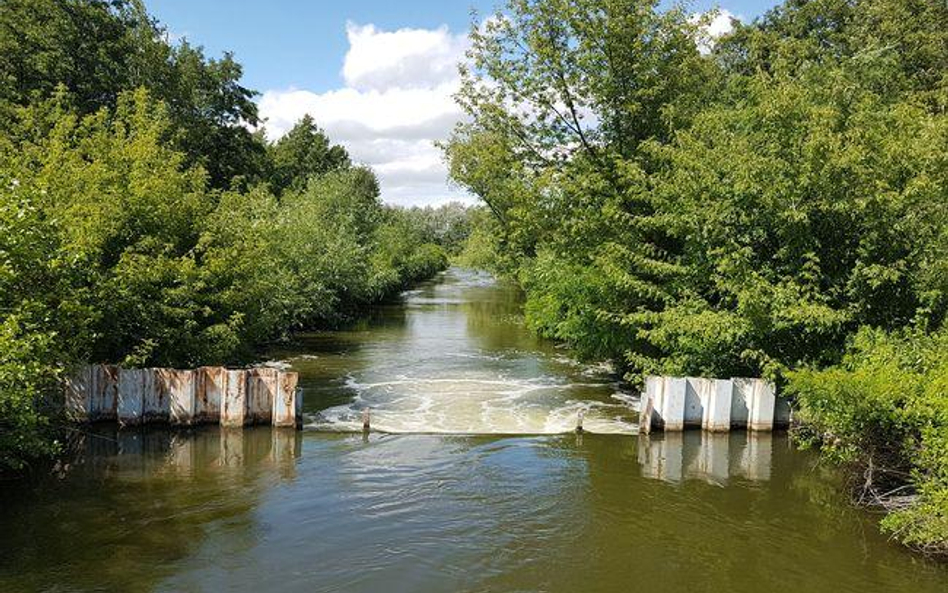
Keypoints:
pixel 97 49
pixel 564 98
pixel 302 153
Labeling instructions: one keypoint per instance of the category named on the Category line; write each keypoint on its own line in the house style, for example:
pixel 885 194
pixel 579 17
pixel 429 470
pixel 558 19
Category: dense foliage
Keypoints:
pixel 739 206
pixel 884 409
pixel 143 223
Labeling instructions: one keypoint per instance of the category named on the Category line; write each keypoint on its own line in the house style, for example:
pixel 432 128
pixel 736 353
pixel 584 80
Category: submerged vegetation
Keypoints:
pixel 142 222
pixel 772 202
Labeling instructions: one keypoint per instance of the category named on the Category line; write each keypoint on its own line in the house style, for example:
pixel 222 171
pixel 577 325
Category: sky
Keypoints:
pixel 377 75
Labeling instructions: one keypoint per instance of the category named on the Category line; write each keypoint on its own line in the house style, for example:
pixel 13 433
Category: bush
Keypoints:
pixel 884 411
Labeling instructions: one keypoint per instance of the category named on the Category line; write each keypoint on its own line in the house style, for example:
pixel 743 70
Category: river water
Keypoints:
pixel 472 481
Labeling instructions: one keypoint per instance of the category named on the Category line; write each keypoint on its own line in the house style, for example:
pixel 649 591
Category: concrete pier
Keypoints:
pixel 717 405
pixel 209 395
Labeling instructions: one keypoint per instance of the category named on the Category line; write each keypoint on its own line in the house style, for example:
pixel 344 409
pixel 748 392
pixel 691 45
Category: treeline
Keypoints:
pixel 143 223
pixel 758 204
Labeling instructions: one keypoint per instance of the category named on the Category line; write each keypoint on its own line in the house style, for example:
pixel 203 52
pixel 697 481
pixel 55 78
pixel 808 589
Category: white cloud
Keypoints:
pixel 415 58
pixel 396 102
pixel 721 23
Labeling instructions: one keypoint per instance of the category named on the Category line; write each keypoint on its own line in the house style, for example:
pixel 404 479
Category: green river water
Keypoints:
pixel 473 481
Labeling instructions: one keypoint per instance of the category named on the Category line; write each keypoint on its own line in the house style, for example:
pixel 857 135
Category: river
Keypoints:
pixel 471 481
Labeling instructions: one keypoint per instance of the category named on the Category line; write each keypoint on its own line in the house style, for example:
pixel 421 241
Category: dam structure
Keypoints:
pixel 673 404
pixel 207 395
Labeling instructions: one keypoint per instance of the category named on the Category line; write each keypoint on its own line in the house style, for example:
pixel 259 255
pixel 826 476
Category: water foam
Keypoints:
pixel 479 405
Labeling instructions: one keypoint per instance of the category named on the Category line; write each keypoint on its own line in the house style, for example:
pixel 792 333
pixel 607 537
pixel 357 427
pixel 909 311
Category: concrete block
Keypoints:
pixel 105 393
pixel 650 403
pixel 156 399
pixel 672 411
pixel 740 401
pixel 181 394
pixel 210 387
pixel 697 395
pixel 77 390
pixel 284 402
pixel 717 408
pixel 261 391
pixel 234 403
pixel 130 396
pixel 761 410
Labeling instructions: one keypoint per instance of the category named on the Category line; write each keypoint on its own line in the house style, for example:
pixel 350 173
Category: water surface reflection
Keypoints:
pixel 711 457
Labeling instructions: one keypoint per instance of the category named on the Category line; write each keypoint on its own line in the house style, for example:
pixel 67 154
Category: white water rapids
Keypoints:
pixel 452 357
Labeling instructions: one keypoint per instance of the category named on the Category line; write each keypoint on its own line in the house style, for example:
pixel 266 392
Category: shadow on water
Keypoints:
pixel 273 510
pixel 135 499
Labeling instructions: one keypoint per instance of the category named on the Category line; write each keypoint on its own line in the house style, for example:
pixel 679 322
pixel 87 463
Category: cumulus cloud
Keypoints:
pixel 396 102
pixel 721 23
pixel 415 58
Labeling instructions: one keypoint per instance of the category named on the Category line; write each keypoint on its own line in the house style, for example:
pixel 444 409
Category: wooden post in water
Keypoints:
pixel 366 420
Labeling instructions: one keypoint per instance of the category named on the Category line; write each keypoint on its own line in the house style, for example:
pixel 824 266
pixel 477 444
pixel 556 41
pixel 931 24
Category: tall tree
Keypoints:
pixel 302 153
pixel 96 49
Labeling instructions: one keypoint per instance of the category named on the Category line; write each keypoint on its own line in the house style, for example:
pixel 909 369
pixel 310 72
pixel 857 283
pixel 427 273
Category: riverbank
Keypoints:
pixel 883 413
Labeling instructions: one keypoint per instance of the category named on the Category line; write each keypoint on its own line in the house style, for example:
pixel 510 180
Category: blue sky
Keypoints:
pixel 376 74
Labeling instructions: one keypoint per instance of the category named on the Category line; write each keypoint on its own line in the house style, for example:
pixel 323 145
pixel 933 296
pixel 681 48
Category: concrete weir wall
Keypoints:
pixel 208 395
pixel 672 404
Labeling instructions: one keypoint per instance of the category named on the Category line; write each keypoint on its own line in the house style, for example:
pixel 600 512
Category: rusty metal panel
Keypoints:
pixel 182 396
pixel 105 393
pixel 210 388
pixel 129 396
pixel 78 390
pixel 284 402
pixel 234 400
pixel 261 392
pixel 156 399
